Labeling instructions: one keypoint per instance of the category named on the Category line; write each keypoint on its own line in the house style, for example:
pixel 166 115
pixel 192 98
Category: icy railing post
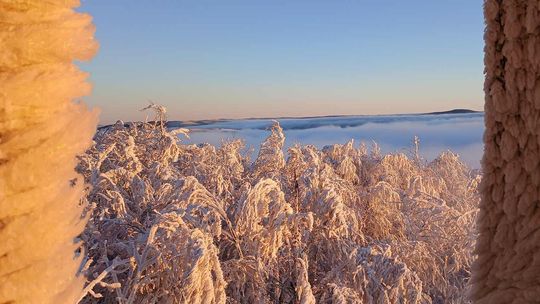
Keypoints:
pixel 508 246
pixel 41 132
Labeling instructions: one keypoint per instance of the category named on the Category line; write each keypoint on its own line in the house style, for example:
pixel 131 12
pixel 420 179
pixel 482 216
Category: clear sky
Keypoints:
pixel 232 59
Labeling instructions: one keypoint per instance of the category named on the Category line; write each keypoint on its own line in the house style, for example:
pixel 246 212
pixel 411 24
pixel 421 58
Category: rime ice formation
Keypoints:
pixel 176 223
pixel 508 265
pixel 41 131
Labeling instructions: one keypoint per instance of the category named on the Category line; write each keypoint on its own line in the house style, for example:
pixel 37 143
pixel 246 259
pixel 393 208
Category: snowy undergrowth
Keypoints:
pixel 174 223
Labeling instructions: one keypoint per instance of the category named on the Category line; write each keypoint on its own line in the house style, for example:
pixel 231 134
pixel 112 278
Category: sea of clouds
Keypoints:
pixel 460 133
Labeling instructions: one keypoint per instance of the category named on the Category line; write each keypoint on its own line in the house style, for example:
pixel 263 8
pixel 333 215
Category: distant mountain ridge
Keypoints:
pixel 454 111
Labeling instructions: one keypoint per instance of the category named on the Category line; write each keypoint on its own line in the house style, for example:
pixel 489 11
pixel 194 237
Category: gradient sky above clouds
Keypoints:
pixel 231 59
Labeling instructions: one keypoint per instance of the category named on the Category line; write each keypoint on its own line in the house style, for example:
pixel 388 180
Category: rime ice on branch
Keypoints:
pixel 41 132
pixel 180 223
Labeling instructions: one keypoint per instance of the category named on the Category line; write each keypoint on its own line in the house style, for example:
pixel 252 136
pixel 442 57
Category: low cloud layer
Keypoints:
pixel 461 133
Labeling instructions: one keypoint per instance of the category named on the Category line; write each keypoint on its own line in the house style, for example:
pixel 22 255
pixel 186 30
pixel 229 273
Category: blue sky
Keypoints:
pixel 231 59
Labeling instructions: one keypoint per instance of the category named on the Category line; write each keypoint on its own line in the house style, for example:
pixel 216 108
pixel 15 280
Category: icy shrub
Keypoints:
pixel 181 223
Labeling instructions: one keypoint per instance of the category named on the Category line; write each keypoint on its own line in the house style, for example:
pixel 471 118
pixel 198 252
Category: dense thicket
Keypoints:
pixel 174 223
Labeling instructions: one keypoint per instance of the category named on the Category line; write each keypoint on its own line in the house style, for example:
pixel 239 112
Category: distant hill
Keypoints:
pixel 454 111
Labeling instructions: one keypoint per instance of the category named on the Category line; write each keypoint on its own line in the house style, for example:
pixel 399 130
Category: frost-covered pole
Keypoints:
pixel 508 265
pixel 41 132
